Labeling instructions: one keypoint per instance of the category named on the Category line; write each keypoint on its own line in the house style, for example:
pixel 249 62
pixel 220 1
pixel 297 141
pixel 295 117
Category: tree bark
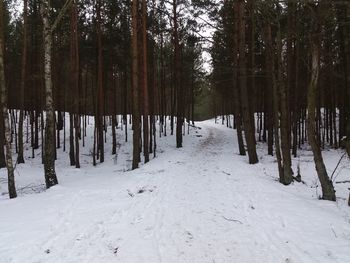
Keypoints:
pixel 135 88
pixel 3 94
pixel 328 192
pixel 100 100
pixel 248 116
pixel 285 120
pixel 76 79
pixel 114 136
pixel 236 93
pixel 145 83
pixel 71 140
pixel 49 150
pixel 273 82
pixel 177 81
pixel 20 158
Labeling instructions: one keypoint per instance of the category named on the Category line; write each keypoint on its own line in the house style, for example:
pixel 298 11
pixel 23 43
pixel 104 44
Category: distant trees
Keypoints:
pixel 93 70
pixel 99 58
pixel 143 58
pixel 281 65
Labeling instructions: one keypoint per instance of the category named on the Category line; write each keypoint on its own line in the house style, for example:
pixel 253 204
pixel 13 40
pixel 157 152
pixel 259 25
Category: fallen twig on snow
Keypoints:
pixel 343 182
pixel 341 158
pixel 232 220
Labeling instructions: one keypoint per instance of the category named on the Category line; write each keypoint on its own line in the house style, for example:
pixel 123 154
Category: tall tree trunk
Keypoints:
pixel 248 116
pixel 344 20
pixel 20 158
pixel 328 192
pixel 292 88
pixel 100 100
pixel 285 123
pixel 177 82
pixel 3 94
pixel 273 82
pixel 49 150
pixel 135 88
pixel 145 83
pixel 236 93
pixel 76 79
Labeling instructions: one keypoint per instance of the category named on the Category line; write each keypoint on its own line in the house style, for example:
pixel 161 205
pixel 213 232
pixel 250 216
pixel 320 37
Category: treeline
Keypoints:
pixel 285 65
pixel 280 67
pixel 94 58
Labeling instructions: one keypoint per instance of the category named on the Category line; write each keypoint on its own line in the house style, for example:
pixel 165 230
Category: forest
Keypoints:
pixel 79 80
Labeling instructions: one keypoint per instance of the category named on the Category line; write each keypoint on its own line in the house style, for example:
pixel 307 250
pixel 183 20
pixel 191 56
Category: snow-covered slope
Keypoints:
pixel 202 203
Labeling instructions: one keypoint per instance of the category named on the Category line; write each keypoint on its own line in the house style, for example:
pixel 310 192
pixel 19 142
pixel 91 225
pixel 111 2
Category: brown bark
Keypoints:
pixel 145 83
pixel 2 142
pixel 20 158
pixel 285 120
pixel 273 82
pixel 135 88
pixel 236 93
pixel 114 136
pixel 71 140
pixel 100 100
pixel 177 78
pixel 75 79
pixel 248 116
pixel 328 192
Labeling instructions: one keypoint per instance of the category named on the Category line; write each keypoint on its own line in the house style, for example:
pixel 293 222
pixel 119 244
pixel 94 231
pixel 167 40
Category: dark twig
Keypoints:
pixel 341 158
pixel 232 220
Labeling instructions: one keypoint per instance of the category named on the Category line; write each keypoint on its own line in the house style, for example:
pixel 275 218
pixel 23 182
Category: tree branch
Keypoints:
pixel 60 15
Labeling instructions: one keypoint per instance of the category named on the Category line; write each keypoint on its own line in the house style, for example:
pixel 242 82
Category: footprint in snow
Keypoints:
pixel 189 236
pixel 141 191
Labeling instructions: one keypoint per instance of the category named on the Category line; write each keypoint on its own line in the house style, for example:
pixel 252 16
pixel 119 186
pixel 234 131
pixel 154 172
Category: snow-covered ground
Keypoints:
pixel 202 203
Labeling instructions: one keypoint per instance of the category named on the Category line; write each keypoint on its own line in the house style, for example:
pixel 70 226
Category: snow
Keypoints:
pixel 202 203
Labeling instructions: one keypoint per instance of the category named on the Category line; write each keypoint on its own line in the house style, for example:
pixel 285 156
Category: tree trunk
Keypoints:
pixel 248 116
pixel 145 83
pixel 114 136
pixel 273 82
pixel 76 135
pixel 285 123
pixel 49 150
pixel 3 94
pixel 20 158
pixel 135 88
pixel 2 142
pixel 75 79
pixel 100 100
pixel 236 93
pixel 328 192
pixel 177 82
pixel 345 49
pixel 71 140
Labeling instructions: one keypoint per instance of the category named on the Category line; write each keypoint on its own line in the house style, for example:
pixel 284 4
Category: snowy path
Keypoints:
pixel 202 203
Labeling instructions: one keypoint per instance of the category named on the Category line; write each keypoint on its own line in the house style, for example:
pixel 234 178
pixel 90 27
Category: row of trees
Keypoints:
pixel 97 58
pixel 281 67
pixel 287 61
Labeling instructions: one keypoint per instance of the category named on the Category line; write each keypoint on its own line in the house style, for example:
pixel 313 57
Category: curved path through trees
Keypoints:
pixel 202 203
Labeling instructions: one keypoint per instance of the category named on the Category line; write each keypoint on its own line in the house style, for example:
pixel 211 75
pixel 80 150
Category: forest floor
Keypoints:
pixel 202 203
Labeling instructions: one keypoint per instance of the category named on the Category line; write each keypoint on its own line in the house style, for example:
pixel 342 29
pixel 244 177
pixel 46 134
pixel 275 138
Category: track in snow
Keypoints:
pixel 202 203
